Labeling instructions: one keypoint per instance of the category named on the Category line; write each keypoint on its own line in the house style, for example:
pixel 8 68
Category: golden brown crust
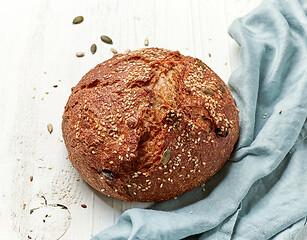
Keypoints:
pixel 149 125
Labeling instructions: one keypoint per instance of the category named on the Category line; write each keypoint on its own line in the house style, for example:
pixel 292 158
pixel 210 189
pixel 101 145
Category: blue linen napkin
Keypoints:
pixel 261 193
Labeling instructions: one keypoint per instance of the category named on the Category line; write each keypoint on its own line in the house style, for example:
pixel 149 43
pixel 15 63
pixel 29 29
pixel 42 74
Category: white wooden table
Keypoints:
pixel 37 51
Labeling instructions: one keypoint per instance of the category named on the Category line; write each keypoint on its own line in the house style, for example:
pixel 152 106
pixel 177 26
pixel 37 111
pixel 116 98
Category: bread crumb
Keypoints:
pixel 80 54
pixel 50 128
pixel 146 42
pixel 114 51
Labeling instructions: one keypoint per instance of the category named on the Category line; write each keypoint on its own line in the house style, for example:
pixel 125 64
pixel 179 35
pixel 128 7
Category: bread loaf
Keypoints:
pixel 149 125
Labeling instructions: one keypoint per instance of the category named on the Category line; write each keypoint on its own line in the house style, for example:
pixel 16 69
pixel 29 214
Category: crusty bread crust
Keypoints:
pixel 149 125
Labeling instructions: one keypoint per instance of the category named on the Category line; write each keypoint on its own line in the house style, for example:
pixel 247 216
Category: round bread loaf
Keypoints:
pixel 149 125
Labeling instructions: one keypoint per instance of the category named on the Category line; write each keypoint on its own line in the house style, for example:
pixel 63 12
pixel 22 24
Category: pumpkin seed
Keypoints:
pixel 93 48
pixel 222 87
pixel 200 63
pixel 165 156
pixel 106 39
pixel 204 118
pixel 107 174
pixel 221 133
pixel 78 20
pixel 50 128
pixel 146 42
pixel 80 54
pixel 208 91
pixel 113 50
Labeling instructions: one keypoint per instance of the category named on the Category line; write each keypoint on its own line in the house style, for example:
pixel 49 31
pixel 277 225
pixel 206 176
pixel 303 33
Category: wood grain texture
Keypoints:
pixel 37 50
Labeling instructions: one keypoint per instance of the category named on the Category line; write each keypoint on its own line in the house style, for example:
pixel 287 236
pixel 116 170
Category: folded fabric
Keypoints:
pixel 261 192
